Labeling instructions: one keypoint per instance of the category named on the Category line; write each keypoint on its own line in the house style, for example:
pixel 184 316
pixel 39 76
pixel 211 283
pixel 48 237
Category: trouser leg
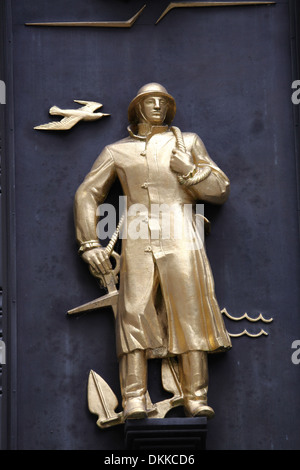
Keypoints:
pixel 133 381
pixel 193 373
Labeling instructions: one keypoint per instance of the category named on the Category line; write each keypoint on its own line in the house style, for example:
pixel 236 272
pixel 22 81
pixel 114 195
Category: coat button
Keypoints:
pixel 148 249
pixel 145 185
pixel 143 154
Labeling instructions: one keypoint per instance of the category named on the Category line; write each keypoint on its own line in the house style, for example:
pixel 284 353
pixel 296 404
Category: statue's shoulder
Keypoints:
pixel 190 135
pixel 186 134
pixel 120 143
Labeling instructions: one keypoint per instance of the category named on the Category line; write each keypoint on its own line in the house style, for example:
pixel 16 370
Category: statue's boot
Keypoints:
pixel 133 380
pixel 193 372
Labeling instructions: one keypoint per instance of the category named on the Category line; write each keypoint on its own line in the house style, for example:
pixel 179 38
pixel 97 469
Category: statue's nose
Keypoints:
pixel 157 104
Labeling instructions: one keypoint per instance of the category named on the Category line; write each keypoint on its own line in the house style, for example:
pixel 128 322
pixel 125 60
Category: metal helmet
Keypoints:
pixel 152 89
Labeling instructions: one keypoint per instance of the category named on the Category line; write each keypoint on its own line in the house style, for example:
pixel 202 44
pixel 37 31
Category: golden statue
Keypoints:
pixel 166 305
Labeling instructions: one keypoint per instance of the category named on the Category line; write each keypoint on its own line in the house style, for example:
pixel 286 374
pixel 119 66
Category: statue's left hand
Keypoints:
pixel 98 259
pixel 180 162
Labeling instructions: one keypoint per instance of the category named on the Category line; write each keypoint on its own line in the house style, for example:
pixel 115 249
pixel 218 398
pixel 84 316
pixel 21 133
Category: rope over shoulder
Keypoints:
pixel 201 174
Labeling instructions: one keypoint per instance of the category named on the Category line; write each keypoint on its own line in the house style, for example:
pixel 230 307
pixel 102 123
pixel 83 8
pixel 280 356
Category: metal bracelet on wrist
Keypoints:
pixel 190 173
pixel 89 245
pixel 199 175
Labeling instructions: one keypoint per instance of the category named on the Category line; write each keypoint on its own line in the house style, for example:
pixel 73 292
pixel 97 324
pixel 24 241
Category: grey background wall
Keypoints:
pixel 230 70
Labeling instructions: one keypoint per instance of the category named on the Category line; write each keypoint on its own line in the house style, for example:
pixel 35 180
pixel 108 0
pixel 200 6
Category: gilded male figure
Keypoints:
pixel 167 304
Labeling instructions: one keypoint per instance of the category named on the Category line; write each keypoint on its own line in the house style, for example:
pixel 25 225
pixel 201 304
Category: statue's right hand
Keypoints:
pixel 98 260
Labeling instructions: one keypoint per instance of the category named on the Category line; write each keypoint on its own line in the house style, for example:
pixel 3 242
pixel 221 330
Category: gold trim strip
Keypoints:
pixel 94 24
pixel 173 5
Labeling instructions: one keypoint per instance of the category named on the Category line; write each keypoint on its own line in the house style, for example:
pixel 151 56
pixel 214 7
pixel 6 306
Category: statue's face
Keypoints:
pixel 154 109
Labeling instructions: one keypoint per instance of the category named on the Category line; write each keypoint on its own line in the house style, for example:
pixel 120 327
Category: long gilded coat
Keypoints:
pixel 167 302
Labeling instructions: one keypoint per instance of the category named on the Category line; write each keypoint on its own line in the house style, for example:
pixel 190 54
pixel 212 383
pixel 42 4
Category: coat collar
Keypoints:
pixel 145 132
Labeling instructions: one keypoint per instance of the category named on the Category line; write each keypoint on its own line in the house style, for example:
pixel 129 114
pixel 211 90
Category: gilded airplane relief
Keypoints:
pixel 71 117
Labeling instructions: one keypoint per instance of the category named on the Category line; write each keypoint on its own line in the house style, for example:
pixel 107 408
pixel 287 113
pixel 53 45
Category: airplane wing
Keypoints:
pixel 63 125
pixel 90 106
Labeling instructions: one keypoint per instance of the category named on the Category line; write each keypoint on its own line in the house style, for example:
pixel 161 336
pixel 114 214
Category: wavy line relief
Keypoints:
pixel 245 332
pixel 246 317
